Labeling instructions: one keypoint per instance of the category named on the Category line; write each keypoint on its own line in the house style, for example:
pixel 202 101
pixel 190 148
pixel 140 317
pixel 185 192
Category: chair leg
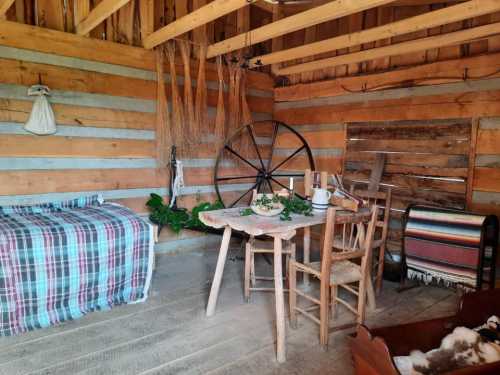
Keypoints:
pixel 380 272
pixel 292 295
pixel 333 307
pixel 324 314
pixel 362 296
pixel 248 263
pixel 252 269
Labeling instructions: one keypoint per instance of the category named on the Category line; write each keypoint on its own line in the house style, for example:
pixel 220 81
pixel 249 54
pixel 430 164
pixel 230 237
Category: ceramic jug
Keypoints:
pixel 320 199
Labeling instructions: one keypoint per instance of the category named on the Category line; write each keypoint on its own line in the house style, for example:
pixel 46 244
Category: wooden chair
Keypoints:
pixel 255 246
pixel 262 246
pixel 383 199
pixel 337 269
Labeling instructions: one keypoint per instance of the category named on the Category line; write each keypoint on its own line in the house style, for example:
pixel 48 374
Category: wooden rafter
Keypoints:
pixel 311 17
pixel 146 14
pixel 199 17
pixel 417 45
pixel 102 11
pixel 470 9
pixel 4 6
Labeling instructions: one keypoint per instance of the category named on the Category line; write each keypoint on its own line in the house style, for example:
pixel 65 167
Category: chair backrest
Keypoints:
pixel 354 238
pixel 380 198
pixel 312 178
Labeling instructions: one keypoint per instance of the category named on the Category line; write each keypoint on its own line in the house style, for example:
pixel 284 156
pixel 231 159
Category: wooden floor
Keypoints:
pixel 169 334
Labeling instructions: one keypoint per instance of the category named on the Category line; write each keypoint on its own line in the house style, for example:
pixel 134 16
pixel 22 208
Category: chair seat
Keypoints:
pixel 343 272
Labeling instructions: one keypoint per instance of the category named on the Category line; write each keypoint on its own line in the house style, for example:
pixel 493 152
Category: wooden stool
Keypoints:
pixel 253 247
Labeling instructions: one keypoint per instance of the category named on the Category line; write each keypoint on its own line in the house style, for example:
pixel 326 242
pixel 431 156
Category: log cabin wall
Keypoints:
pixel 458 118
pixel 104 99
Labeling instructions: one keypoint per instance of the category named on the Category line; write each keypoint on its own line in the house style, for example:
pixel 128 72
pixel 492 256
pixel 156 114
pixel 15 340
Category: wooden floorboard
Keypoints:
pixel 169 333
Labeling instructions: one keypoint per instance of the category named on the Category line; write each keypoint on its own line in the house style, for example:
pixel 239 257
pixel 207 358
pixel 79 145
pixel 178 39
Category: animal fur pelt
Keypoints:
pixel 461 348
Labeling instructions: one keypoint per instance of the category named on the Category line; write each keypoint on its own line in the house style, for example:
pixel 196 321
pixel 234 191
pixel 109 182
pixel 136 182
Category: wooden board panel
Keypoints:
pixel 434 73
pixel 450 147
pixel 34 38
pixel 465 105
pixel 19 111
pixel 33 146
pixel 487 179
pixel 315 139
pixel 50 181
pixel 488 142
pixel 417 160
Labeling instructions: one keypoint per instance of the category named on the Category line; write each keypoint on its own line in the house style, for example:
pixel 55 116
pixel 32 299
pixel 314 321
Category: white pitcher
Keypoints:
pixel 320 199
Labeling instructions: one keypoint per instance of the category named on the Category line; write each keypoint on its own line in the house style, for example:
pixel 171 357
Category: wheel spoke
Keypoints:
pixel 289 175
pixel 288 158
pixel 245 193
pixel 273 142
pixel 250 130
pixel 234 178
pixel 242 158
pixel 270 185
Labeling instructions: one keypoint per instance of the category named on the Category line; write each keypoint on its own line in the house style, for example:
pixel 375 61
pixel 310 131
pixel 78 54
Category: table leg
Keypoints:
pixel 219 270
pixel 280 301
pixel 307 252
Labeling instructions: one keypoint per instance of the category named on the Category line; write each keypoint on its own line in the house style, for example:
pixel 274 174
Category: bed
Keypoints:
pixel 59 261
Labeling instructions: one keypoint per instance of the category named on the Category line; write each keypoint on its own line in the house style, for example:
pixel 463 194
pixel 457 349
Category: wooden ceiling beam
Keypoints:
pixel 197 18
pixel 438 41
pixel 102 11
pixel 4 6
pixel 459 12
pixel 311 17
pixel 424 2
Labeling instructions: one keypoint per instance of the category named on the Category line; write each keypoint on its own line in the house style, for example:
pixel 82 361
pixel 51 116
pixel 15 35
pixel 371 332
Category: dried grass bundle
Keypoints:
pixel 201 94
pixel 246 116
pixel 220 116
pixel 163 124
pixel 189 116
pixel 234 94
pixel 178 133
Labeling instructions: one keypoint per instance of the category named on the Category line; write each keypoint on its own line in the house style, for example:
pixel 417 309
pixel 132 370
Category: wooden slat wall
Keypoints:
pixel 104 98
pixel 435 97
pixel 426 162
pixel 486 180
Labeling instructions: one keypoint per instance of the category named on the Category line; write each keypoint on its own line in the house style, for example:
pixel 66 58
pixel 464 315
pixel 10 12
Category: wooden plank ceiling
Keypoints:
pixel 305 42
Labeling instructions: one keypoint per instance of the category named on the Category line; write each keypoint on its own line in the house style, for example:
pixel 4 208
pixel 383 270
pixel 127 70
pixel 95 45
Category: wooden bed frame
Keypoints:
pixel 373 349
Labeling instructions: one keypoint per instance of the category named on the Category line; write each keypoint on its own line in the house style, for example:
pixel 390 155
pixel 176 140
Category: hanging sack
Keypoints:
pixel 41 120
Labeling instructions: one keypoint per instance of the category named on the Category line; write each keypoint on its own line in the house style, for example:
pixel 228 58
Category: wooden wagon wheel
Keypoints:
pixel 250 159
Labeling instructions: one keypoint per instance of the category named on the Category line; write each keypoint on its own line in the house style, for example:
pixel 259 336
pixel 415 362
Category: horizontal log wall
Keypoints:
pixel 104 99
pixel 437 92
pixel 485 196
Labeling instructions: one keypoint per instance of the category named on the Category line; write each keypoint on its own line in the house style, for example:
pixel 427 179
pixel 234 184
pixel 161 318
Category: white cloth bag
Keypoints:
pixel 41 120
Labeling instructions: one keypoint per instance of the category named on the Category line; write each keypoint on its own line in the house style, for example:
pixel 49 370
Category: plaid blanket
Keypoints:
pixel 60 261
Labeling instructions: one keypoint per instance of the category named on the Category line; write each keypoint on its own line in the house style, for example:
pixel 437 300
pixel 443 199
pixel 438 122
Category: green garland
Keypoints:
pixel 178 219
pixel 295 205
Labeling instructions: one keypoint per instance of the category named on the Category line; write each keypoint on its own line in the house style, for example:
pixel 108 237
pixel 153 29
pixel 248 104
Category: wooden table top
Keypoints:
pixel 259 225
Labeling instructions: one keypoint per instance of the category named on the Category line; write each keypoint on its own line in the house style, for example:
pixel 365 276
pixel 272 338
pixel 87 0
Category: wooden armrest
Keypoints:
pixel 348 255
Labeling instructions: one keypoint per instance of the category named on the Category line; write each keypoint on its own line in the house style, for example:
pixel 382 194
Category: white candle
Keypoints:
pixel 291 183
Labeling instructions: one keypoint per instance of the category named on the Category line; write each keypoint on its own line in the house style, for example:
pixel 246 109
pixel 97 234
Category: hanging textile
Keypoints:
pixel 163 124
pixel 42 120
pixel 201 94
pixel 220 116
pixel 178 131
pixel 177 184
pixel 189 117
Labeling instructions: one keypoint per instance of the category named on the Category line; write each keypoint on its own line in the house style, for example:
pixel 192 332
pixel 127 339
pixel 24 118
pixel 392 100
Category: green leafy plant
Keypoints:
pixel 178 219
pixel 294 205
